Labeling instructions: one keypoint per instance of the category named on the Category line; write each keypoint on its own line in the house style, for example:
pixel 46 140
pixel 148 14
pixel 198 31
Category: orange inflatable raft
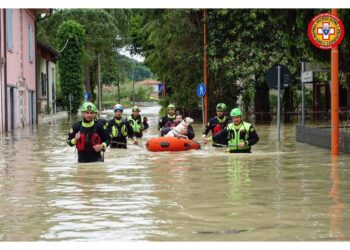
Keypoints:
pixel 171 144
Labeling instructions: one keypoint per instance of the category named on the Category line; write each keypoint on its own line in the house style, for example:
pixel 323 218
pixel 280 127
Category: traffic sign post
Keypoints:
pixel 70 98
pixel 201 90
pixel 278 77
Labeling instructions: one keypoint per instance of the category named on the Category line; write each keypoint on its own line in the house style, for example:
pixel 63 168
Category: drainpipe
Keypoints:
pixel 47 88
pixel 5 69
pixel 35 75
pixel 1 113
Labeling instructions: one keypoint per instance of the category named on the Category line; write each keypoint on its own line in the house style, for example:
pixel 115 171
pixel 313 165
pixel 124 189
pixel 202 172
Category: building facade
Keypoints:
pixel 46 79
pixel 18 67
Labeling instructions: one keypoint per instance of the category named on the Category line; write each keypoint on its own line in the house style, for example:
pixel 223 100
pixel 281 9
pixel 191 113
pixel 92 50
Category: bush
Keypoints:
pixel 70 63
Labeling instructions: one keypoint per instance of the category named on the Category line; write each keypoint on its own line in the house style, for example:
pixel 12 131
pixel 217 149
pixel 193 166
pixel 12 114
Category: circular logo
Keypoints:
pixel 326 31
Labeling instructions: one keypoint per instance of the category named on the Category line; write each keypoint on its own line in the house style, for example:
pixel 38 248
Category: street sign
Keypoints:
pixel 161 87
pixel 86 95
pixel 70 98
pixel 307 76
pixel 201 90
pixel 271 77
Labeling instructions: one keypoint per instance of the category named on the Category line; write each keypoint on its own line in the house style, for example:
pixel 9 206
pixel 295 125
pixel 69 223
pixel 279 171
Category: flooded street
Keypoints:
pixel 287 192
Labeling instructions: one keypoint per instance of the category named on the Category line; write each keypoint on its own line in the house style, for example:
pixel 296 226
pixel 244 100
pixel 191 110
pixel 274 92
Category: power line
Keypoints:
pixel 64 46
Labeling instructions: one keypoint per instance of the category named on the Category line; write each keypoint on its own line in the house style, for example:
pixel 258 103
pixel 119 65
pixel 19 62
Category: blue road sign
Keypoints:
pixel 161 87
pixel 201 90
pixel 86 95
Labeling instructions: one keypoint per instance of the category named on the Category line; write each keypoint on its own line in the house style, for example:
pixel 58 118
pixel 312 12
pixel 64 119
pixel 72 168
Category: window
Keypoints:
pixel 9 29
pixel 31 43
pixel 43 84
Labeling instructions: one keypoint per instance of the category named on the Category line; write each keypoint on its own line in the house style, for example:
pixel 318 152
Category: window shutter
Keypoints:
pixel 9 29
pixel 31 43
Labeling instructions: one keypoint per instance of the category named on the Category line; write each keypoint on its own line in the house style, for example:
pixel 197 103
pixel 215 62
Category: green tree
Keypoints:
pixel 105 32
pixel 172 50
pixel 70 66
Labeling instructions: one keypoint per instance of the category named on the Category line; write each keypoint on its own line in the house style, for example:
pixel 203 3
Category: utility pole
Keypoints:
pixel 99 87
pixel 335 96
pixel 133 86
pixel 118 84
pixel 205 65
pixel 164 90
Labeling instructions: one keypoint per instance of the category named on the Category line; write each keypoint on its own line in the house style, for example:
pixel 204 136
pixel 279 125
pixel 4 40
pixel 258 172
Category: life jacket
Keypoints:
pixel 235 137
pixel 136 124
pixel 219 126
pixel 87 141
pixel 119 128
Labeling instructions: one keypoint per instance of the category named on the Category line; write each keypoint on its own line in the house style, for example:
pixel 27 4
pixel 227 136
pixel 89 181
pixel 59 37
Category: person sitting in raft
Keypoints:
pixel 167 119
pixel 119 128
pixel 239 135
pixel 171 125
pixel 90 136
pixel 137 123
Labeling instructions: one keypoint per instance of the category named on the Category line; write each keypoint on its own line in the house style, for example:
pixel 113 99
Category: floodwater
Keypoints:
pixel 286 192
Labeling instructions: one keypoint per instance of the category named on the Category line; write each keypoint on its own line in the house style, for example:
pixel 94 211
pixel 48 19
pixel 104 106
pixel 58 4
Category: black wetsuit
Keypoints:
pixel 88 138
pixel 119 130
pixel 215 126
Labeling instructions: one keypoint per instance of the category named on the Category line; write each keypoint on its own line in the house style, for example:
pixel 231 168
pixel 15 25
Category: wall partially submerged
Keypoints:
pixel 322 137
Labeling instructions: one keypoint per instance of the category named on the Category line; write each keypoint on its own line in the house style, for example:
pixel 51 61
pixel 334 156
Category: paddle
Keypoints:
pixel 214 144
pixel 218 145
pixel 123 143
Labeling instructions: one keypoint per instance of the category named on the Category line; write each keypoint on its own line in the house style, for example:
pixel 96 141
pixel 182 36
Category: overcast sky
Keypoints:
pixel 124 51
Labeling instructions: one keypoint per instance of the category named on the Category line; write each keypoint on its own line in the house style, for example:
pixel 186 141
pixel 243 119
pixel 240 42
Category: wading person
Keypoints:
pixel 136 122
pixel 216 124
pixel 239 135
pixel 90 136
pixel 119 128
pixel 166 120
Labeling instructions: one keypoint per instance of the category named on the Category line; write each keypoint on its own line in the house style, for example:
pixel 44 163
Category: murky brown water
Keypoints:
pixel 286 192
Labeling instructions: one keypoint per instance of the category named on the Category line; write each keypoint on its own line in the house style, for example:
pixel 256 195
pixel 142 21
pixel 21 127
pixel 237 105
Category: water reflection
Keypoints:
pixel 337 208
pixel 239 179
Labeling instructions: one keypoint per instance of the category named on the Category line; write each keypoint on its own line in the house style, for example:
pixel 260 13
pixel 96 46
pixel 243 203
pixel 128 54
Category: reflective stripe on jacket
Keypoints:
pixel 135 124
pixel 235 137
pixel 119 128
